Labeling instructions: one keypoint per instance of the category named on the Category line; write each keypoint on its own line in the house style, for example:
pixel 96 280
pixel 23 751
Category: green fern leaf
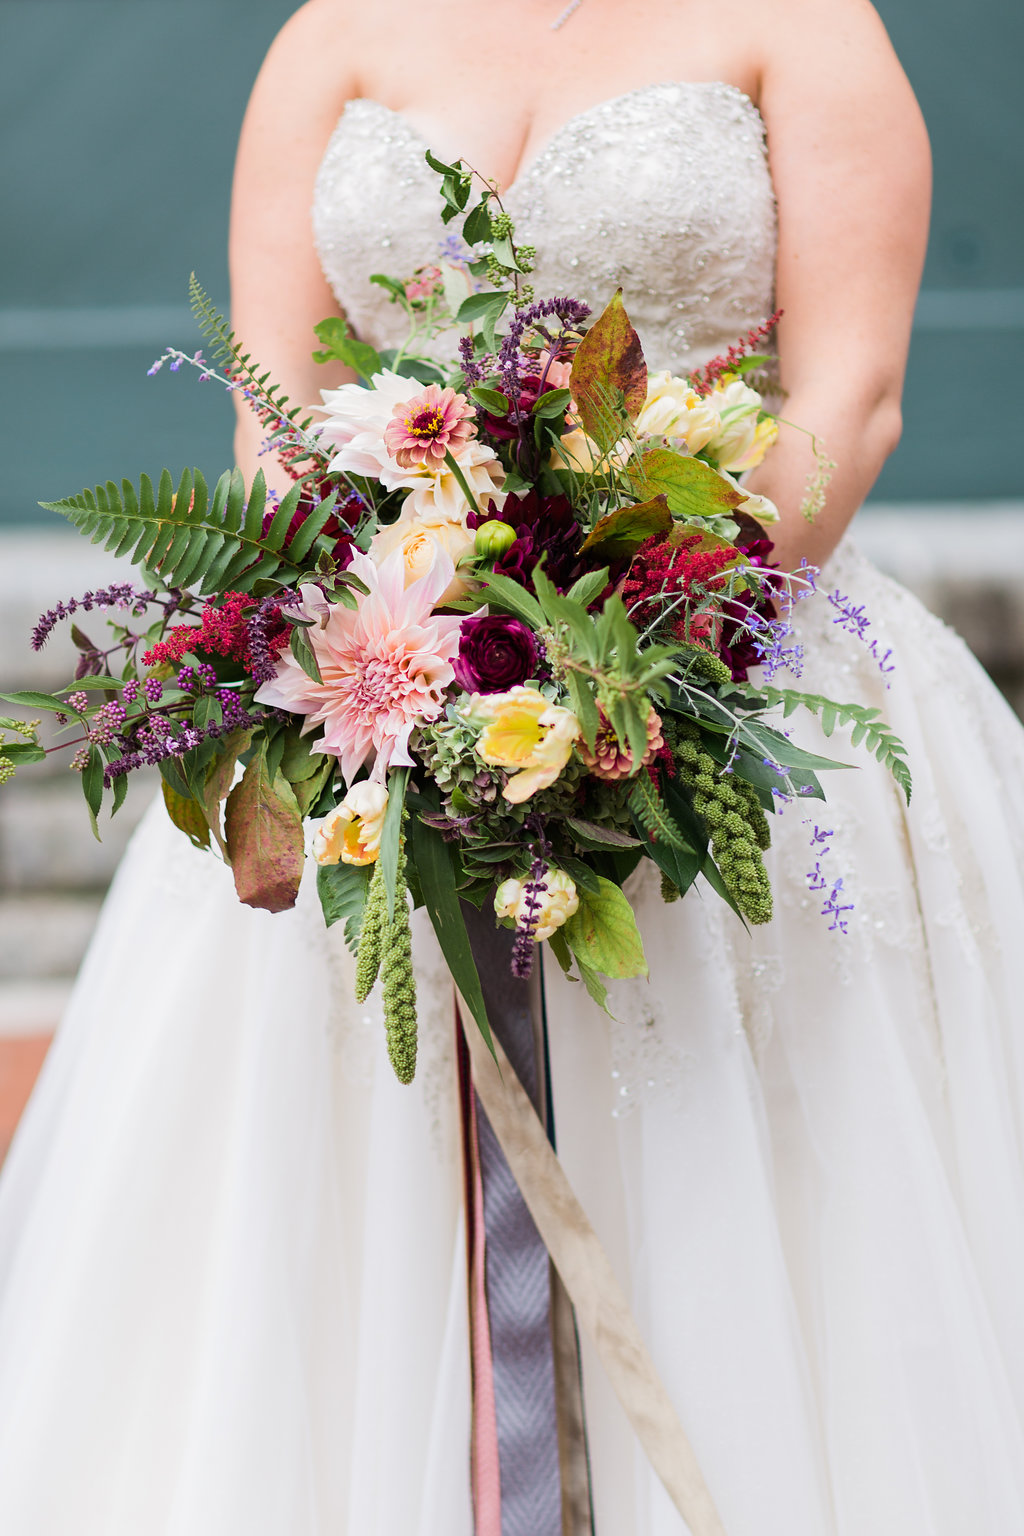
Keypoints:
pixel 653 815
pixel 869 728
pixel 181 538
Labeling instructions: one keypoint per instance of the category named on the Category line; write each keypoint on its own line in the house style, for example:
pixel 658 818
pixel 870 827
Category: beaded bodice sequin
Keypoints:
pixel 664 190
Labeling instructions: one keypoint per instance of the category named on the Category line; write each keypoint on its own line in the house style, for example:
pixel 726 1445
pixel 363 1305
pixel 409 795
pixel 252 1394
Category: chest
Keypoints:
pixel 494 82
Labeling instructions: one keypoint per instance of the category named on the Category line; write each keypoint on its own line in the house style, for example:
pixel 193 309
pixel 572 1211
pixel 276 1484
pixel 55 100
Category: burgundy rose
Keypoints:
pixel 496 652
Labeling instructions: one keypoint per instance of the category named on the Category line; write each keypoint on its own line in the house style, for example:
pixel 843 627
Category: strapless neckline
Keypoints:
pixel 569 126
pixel 664 191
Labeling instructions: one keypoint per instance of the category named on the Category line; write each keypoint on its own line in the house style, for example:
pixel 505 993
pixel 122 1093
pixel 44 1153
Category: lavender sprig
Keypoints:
pixel 262 656
pixel 526 928
pixel 120 595
pixel 853 618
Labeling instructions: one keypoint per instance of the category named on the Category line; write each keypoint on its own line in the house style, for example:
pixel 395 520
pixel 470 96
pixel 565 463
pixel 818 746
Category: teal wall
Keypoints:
pixel 119 120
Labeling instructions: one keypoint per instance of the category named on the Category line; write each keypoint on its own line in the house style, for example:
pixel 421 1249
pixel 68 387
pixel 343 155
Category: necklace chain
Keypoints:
pixel 561 20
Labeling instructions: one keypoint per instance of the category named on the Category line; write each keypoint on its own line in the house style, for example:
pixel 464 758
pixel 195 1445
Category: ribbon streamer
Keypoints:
pixel 518 1278
pixel 591 1285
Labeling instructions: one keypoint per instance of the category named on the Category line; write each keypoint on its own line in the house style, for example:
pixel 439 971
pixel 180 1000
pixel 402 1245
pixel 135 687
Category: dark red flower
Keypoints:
pixel 337 527
pixel 496 652
pixel 662 571
pixel 544 525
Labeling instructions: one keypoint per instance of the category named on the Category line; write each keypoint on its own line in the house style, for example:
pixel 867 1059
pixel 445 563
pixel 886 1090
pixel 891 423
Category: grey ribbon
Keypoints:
pixel 518 1270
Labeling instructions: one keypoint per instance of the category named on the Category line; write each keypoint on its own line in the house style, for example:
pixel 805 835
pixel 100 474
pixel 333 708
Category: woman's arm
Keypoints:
pixel 278 292
pixel 851 166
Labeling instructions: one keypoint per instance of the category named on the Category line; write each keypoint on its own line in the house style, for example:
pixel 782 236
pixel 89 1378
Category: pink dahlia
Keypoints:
pixel 422 430
pixel 385 665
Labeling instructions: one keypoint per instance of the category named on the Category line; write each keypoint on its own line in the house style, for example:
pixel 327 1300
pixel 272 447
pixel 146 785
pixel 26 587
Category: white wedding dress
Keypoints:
pixel 232 1267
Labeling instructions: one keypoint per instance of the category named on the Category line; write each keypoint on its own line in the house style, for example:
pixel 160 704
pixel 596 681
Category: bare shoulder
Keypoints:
pixel 836 49
pixel 315 52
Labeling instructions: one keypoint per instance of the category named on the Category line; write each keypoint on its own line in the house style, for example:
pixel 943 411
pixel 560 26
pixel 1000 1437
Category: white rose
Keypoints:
pixel 439 496
pixel 419 539
pixel 674 409
pixel 350 834
pixel 742 441
pixel 558 901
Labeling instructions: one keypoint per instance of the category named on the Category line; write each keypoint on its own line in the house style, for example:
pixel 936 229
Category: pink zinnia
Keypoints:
pixel 422 430
pixel 385 665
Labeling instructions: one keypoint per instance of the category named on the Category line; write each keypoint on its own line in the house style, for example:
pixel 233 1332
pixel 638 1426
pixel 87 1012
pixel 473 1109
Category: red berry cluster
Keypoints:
pixel 662 572
pixel 221 630
pixel 705 378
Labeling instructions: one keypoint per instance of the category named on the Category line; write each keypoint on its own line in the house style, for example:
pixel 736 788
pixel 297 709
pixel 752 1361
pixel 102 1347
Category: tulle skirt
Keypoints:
pixel 232 1254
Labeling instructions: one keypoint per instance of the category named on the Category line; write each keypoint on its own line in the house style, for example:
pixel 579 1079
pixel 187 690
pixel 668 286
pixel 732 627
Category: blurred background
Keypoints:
pixel 119 121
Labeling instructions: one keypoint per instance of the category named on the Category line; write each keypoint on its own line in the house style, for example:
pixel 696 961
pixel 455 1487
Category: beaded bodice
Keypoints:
pixel 664 190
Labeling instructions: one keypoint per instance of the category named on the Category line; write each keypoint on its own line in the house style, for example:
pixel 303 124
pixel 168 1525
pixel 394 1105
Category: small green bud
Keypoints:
pixel 493 539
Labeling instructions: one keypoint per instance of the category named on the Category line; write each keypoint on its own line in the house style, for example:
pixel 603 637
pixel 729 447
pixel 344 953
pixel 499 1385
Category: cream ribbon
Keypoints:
pixel 601 1307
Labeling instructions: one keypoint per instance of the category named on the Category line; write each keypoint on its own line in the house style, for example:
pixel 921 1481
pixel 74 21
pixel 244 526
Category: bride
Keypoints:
pixel 232 1253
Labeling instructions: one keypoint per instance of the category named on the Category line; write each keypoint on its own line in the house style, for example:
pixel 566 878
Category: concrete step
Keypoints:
pixel 43 937
pixel 46 842
pixel 32 1009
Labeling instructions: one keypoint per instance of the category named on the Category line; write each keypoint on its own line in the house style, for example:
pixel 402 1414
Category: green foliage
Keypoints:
pixel 603 935
pixel 600 660
pixel 183 539
pixel 435 872
pixel 691 487
pixel 343 889
pixel 22 747
pixel 342 347
pixel 650 811
pixel 227 352
pixel 868 727
pixel 391 856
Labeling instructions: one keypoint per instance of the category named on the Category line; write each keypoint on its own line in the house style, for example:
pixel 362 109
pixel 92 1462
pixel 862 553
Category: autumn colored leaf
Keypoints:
pixel 187 816
pixel 620 533
pixel 609 361
pixel 264 838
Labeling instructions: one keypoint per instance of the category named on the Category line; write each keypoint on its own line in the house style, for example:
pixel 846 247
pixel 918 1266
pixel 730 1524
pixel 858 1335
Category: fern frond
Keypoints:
pixel 653 815
pixel 183 539
pixel 227 352
pixel 868 728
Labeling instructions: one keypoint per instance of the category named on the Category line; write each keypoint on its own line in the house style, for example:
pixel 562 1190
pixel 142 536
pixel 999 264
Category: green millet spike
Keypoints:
pixel 371 934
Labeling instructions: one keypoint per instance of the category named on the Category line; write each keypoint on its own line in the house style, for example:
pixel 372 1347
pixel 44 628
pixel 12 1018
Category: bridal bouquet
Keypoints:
pixel 495 639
